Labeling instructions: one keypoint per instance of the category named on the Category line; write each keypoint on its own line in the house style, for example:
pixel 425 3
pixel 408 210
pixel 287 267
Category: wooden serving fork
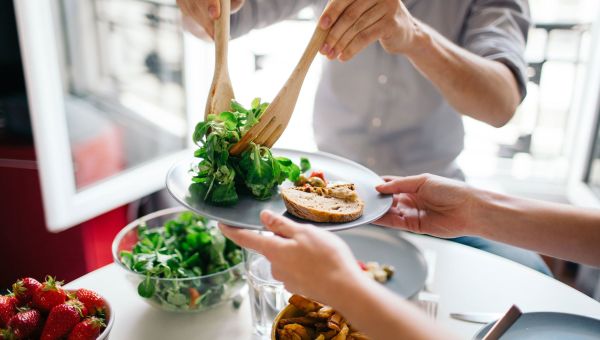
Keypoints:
pixel 276 117
pixel 221 91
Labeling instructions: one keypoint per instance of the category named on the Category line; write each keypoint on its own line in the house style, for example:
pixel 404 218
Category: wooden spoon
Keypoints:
pixel 276 117
pixel 221 91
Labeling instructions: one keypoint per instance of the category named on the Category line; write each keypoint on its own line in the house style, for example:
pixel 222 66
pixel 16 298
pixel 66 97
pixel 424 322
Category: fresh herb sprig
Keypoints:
pixel 219 176
pixel 185 247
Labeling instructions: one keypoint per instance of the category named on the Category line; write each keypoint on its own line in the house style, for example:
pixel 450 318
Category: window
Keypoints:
pixel 106 91
pixel 123 71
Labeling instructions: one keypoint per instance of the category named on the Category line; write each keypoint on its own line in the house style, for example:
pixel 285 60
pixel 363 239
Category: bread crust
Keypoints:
pixel 296 202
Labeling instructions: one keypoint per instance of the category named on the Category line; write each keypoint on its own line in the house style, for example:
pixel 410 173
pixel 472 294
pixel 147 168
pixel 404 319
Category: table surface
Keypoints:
pixel 467 280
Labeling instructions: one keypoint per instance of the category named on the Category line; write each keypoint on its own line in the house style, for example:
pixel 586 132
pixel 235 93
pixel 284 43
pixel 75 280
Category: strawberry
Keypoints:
pixel 87 329
pixel 62 319
pixel 94 303
pixel 8 308
pixel 24 289
pixel 49 294
pixel 25 323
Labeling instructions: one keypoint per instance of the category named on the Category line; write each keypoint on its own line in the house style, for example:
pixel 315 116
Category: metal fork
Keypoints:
pixel 426 300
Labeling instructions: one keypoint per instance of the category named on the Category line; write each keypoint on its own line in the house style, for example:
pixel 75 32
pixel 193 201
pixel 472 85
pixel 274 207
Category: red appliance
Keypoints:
pixel 26 247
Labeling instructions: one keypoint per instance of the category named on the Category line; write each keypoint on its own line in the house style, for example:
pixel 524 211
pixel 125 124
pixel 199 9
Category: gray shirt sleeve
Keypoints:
pixel 497 30
pixel 261 13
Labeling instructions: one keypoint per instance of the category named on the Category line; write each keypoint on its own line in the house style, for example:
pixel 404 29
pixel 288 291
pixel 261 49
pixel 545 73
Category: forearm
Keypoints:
pixel 381 314
pixel 477 87
pixel 554 229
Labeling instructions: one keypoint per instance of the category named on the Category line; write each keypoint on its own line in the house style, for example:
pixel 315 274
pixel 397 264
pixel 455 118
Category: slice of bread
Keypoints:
pixel 318 205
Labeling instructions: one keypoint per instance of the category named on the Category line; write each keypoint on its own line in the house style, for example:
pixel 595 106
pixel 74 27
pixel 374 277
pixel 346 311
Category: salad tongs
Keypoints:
pixel 221 90
pixel 277 115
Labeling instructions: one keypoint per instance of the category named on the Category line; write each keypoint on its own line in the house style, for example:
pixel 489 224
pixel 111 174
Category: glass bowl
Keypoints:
pixel 191 294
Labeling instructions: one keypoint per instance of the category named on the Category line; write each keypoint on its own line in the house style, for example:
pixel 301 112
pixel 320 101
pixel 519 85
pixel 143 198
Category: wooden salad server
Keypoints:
pixel 221 91
pixel 277 115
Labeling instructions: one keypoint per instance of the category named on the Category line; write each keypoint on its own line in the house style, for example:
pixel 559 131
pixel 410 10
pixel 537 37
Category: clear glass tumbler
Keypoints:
pixel 267 295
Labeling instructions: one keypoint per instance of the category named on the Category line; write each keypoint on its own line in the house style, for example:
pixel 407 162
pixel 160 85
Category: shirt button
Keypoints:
pixel 382 79
pixel 371 161
pixel 376 122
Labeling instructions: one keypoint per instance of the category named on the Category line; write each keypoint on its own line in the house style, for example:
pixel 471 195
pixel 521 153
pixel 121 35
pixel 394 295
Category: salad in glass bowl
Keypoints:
pixel 179 261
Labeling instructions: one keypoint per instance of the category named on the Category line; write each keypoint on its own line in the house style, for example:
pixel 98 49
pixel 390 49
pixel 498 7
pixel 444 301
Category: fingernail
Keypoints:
pixel 267 216
pixel 325 49
pixel 325 22
pixel 331 54
pixel 212 11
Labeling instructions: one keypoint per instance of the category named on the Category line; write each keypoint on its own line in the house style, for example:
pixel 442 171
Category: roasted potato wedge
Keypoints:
pixel 304 304
pixel 302 320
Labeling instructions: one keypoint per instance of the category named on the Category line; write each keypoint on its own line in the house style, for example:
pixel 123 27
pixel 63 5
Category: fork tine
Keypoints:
pixel 251 136
pixel 274 136
pixel 264 135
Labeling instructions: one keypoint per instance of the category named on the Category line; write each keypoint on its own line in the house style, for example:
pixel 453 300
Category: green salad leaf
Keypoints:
pixel 185 247
pixel 304 164
pixel 219 177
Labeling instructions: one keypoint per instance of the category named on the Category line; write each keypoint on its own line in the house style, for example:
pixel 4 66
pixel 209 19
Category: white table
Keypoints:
pixel 467 280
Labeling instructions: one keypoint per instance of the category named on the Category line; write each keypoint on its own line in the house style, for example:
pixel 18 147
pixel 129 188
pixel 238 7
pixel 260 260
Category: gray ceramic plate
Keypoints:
pixel 245 214
pixel 550 326
pixel 370 243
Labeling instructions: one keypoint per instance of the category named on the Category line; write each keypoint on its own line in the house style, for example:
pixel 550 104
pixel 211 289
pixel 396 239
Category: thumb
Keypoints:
pixel 278 224
pixel 214 9
pixel 400 185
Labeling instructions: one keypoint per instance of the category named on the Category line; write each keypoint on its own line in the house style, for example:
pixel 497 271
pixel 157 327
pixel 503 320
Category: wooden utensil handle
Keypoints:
pixel 222 34
pixel 315 43
pixel 502 325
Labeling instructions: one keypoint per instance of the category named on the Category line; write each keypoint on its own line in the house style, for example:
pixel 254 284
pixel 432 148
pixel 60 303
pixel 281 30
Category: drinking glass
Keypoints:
pixel 267 295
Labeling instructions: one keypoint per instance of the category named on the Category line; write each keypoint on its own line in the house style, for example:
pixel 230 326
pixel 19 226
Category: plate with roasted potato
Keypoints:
pixel 307 319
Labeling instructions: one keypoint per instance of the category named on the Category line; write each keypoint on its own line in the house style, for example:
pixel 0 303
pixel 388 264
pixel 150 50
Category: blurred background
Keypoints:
pixel 120 86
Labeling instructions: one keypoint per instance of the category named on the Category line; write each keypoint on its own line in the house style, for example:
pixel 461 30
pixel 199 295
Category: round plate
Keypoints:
pixel 245 214
pixel 371 243
pixel 549 326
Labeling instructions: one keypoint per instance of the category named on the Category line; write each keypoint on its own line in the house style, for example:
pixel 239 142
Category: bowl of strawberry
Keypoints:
pixel 47 311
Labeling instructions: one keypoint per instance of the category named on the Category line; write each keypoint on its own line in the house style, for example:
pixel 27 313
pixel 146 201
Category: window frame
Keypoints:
pixel 579 191
pixel 65 206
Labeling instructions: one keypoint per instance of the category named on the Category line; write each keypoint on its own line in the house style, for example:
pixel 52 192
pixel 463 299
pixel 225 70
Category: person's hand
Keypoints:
pixel 357 24
pixel 308 260
pixel 428 204
pixel 199 15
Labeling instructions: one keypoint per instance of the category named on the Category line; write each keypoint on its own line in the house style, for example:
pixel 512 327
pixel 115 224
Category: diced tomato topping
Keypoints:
pixel 318 173
pixel 362 265
pixel 194 296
